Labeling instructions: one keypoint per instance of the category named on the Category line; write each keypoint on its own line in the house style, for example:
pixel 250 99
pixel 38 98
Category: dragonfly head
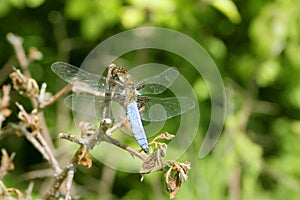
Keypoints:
pixel 117 71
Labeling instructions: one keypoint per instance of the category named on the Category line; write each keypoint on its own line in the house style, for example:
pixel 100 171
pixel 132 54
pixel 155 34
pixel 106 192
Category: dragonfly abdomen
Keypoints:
pixel 137 126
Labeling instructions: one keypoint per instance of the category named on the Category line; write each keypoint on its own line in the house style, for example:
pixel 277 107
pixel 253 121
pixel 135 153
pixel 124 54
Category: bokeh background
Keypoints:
pixel 256 46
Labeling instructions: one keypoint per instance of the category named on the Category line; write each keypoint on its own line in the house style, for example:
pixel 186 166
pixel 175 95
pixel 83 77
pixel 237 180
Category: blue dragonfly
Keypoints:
pixel 119 87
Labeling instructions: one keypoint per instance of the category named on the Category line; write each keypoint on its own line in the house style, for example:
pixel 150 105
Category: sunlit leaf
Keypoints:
pixel 132 17
pixel 111 10
pixel 92 27
pixel 216 47
pixel 228 8
pixel 270 29
pixel 34 3
pixel 4 7
pixel 293 95
pixel 292 53
pixel 201 90
pixel 18 3
pixel 267 73
pixel 296 127
pixel 77 9
pixel 250 152
pixel 245 66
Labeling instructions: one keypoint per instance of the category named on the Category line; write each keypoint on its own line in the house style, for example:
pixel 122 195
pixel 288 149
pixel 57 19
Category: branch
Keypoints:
pixel 6 69
pixel 90 137
pixel 29 190
pixel 4 103
pixel 70 177
pixel 59 94
pixel 81 158
pixel 6 163
pixel 17 43
pixel 35 137
pixel 24 84
pixel 125 147
pixel 10 193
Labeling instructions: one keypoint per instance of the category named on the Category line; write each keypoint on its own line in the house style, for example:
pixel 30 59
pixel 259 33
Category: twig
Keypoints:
pixel 41 173
pixel 4 103
pixel 6 163
pixel 105 137
pixel 106 183
pixel 59 180
pixel 77 159
pixel 44 131
pixel 50 153
pixel 115 127
pixel 17 43
pixel 60 93
pixel 87 142
pixel 41 97
pixel 9 193
pixel 125 147
pixel 24 83
pixel 80 157
pixel 41 147
pixel 7 130
pixel 29 191
pixel 73 138
pixel 5 97
pixel 34 142
pixel 70 177
pixel 6 69
pixel 36 137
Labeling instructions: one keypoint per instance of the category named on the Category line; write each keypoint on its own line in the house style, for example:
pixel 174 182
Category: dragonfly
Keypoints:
pixel 119 87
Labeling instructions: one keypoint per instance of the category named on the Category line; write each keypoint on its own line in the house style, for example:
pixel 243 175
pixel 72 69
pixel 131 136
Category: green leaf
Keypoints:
pixel 4 7
pixel 292 53
pixel 228 8
pixel 217 47
pixel 18 3
pixel 249 152
pixel 201 90
pixel 267 73
pixel 92 27
pixel 132 17
pixel 293 95
pixel 77 9
pixel 34 3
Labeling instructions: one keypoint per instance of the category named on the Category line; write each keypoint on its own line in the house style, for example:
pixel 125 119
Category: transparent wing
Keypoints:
pixel 79 77
pixel 159 83
pixel 86 104
pixel 160 109
pixel 89 105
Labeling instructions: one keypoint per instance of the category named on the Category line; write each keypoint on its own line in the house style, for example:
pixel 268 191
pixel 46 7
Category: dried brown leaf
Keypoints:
pixel 6 112
pixel 24 85
pixel 175 176
pixel 153 162
pixel 165 135
pixel 5 97
pixel 35 54
pixel 174 192
pixel 83 158
pixel 13 191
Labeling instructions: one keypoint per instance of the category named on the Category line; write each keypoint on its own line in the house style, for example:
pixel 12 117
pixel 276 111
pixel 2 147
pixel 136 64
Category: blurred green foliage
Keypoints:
pixel 256 46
